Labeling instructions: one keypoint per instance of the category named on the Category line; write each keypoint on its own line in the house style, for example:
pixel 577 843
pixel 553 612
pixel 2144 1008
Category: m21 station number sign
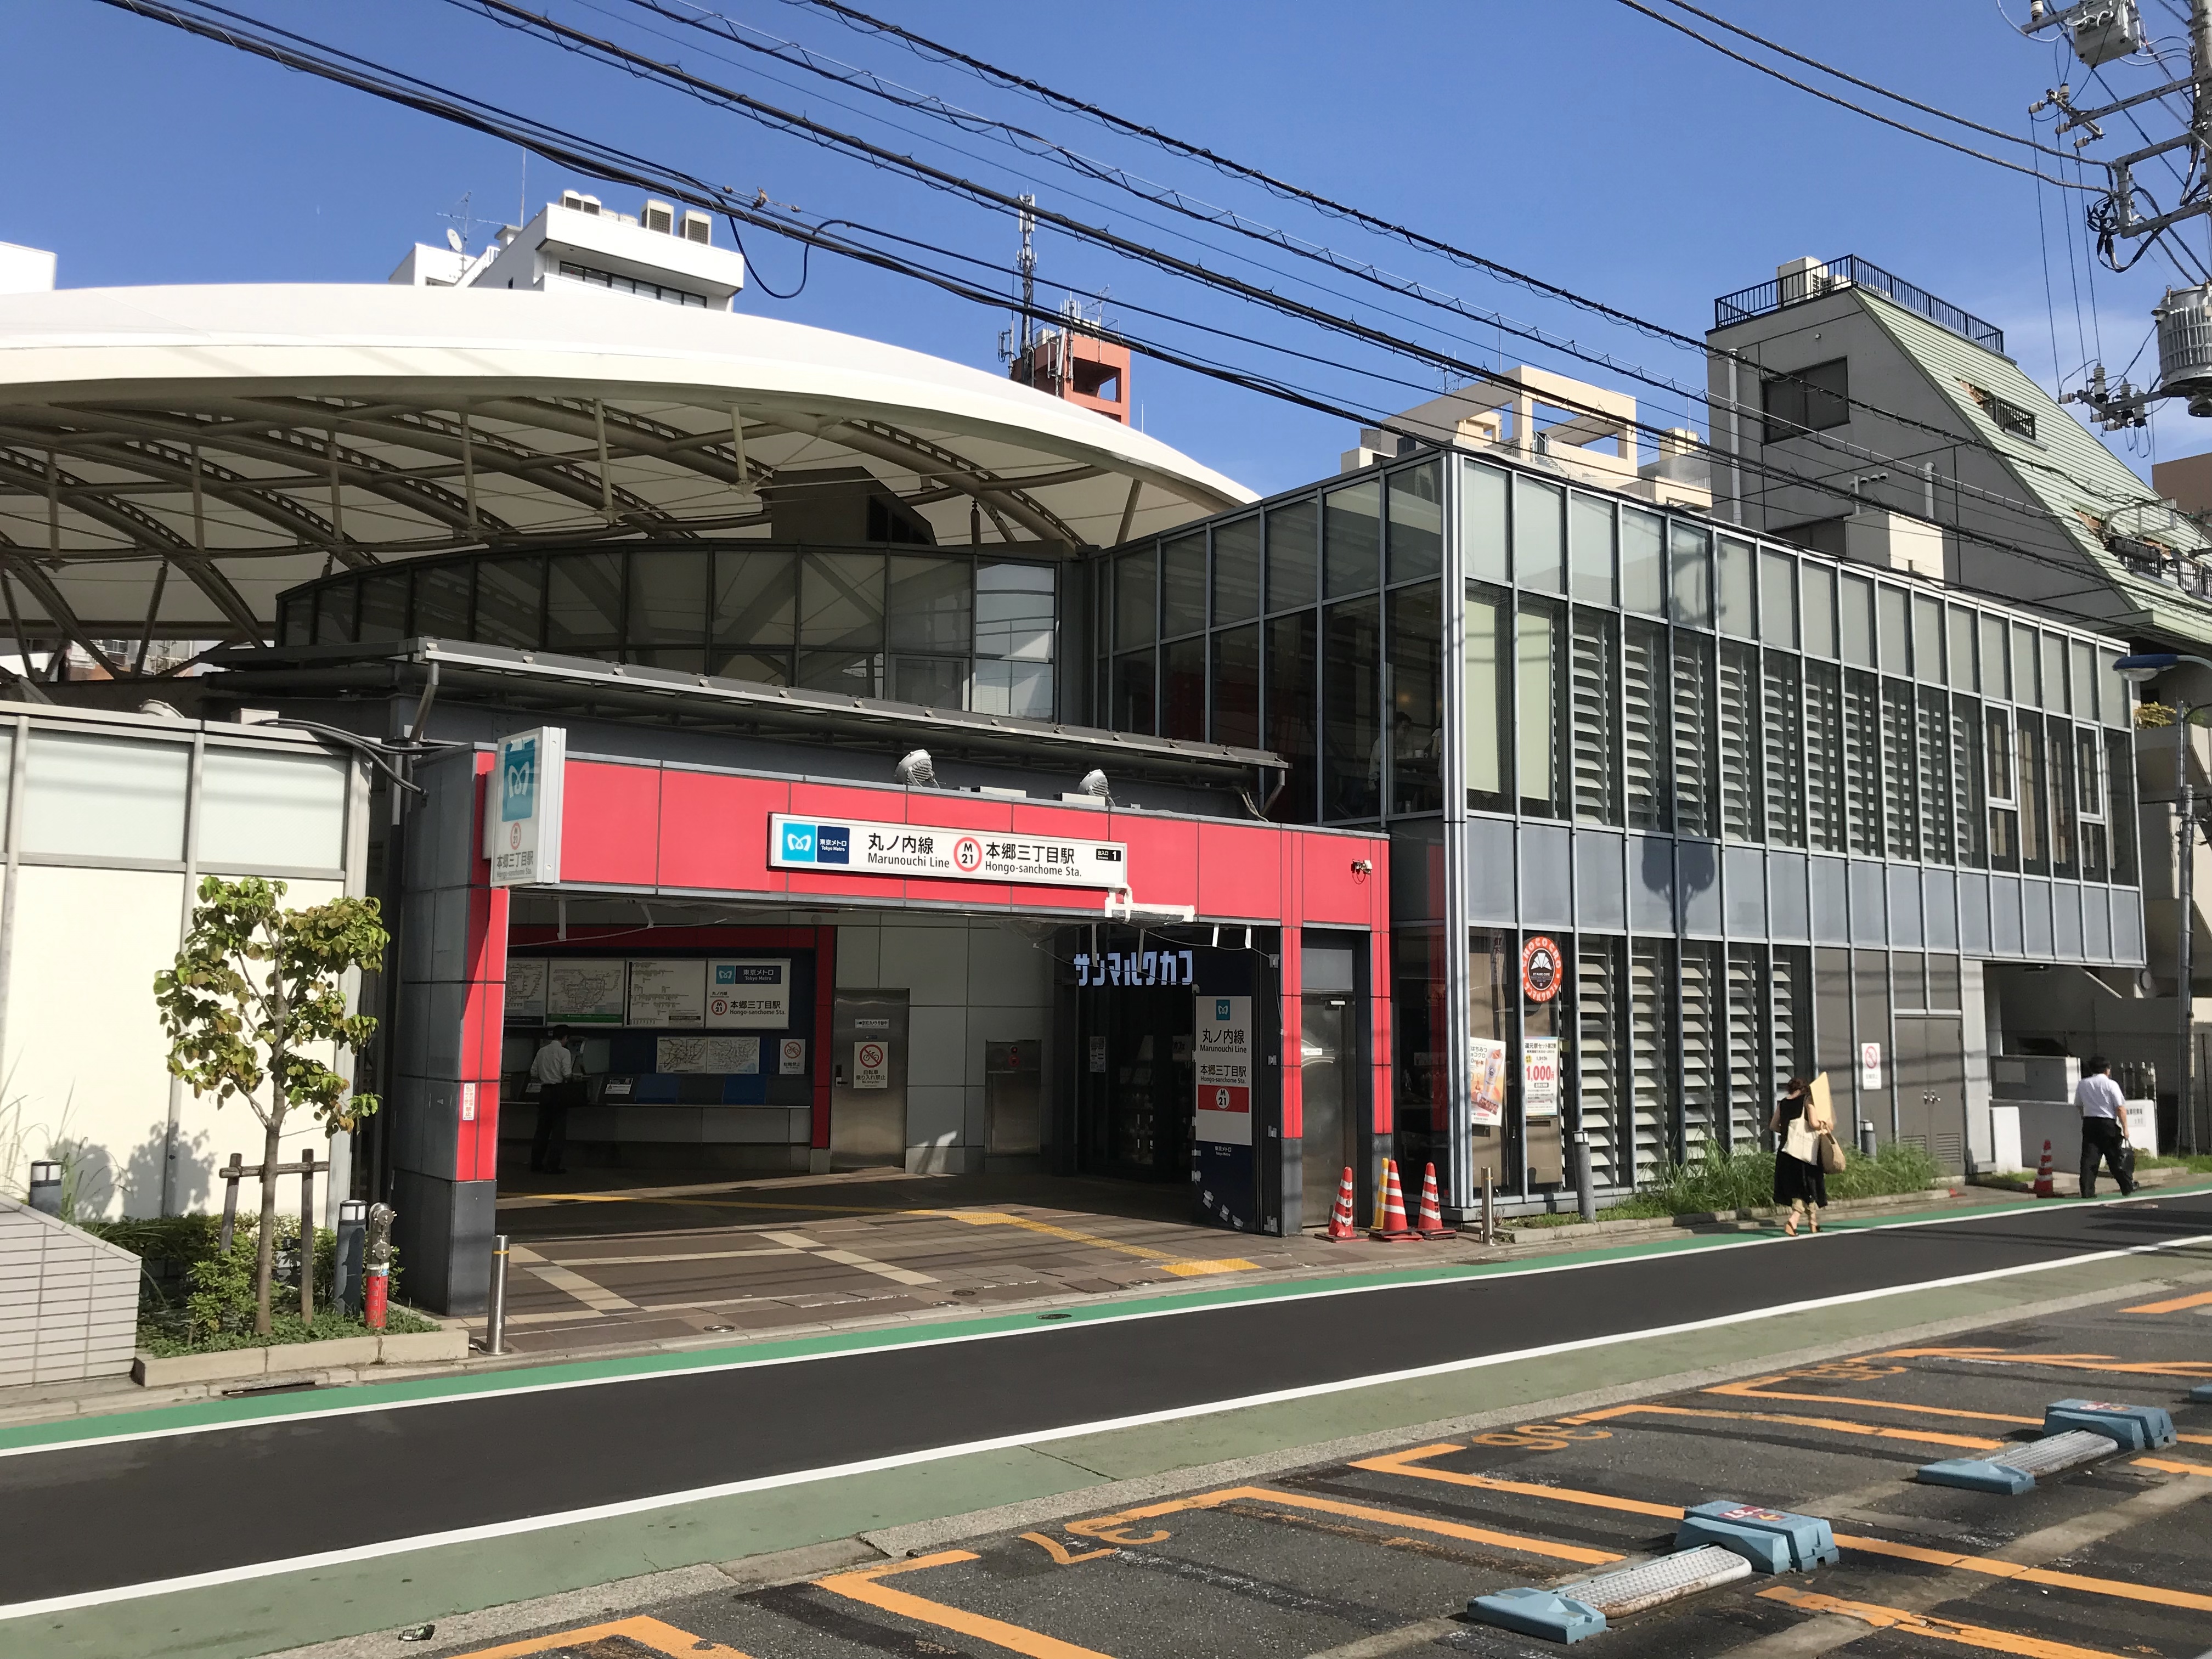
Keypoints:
pixel 915 849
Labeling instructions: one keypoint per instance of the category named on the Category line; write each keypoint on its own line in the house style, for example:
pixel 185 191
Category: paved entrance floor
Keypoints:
pixel 1378 1552
pixel 593 1266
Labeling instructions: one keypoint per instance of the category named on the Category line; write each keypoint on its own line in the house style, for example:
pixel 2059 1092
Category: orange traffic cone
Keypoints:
pixel 1432 1213
pixel 2044 1186
pixel 1394 1227
pixel 1341 1226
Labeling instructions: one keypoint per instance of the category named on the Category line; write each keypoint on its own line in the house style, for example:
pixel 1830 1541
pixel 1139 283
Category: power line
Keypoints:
pixel 594 157
pixel 1845 103
pixel 1867 86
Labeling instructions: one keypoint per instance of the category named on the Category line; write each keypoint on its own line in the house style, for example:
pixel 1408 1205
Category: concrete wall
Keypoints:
pixel 970 980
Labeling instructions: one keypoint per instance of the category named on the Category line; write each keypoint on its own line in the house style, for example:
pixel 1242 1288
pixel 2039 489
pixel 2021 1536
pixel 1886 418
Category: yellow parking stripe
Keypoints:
pixel 1939 1630
pixel 648 1633
pixel 2202 1298
pixel 1172 1262
pixel 1834 1424
pixel 1752 1390
pixel 1116 1529
pixel 866 1586
pixel 2062 1362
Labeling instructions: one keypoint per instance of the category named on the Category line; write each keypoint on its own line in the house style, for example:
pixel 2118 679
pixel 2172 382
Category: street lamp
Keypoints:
pixel 2140 669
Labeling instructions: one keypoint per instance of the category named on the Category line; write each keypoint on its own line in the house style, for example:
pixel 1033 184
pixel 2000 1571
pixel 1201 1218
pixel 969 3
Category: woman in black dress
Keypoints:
pixel 1800 1184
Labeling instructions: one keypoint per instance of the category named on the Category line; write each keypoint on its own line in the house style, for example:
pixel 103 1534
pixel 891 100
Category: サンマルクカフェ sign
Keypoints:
pixel 862 847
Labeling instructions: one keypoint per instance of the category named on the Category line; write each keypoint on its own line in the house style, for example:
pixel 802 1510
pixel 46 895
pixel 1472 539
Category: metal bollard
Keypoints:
pixel 1489 1229
pixel 495 1320
pixel 353 1238
pixel 1585 1199
pixel 1866 1138
pixel 46 1188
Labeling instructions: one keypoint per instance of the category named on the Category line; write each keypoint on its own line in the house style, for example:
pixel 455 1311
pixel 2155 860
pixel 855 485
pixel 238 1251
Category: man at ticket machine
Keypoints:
pixel 559 1075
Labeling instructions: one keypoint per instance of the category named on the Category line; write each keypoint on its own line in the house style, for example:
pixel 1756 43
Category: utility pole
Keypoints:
pixel 1028 267
pixel 2184 1118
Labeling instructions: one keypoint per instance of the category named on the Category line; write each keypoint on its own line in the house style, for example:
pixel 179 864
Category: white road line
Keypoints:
pixel 882 1269
pixel 527 1524
pixel 1260 1297
pixel 692 1255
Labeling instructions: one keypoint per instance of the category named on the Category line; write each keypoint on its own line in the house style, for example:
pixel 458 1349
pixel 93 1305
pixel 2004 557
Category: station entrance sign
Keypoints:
pixel 865 847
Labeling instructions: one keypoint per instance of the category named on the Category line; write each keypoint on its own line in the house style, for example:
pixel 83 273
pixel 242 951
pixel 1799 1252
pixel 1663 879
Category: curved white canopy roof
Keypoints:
pixel 189 452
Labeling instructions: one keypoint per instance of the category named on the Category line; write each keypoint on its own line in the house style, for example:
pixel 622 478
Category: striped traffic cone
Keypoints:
pixel 1393 1228
pixel 1432 1212
pixel 1341 1226
pixel 2045 1186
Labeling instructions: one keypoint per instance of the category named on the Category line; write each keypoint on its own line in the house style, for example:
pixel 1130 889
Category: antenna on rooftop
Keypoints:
pixel 465 224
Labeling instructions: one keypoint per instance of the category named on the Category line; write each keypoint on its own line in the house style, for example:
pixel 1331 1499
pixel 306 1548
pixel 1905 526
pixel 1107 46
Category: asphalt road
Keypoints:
pixel 82 1518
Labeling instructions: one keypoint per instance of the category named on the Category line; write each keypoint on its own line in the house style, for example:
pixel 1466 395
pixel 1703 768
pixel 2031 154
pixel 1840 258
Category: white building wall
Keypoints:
pixel 970 980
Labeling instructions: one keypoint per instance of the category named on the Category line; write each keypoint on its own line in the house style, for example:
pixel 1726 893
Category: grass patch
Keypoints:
pixel 2199 1164
pixel 1721 1182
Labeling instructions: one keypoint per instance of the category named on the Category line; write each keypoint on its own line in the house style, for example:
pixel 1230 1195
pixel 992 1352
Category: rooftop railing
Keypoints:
pixel 1852 271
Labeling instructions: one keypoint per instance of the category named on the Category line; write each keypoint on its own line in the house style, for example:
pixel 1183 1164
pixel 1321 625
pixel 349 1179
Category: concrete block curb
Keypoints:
pixel 341 1359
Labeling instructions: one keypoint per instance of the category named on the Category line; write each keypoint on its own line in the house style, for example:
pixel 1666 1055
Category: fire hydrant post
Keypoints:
pixel 376 1272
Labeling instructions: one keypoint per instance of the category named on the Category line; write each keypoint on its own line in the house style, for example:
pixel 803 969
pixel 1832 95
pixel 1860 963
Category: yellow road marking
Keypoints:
pixel 1752 1390
pixel 1940 1630
pixel 1170 1262
pixel 1405 1463
pixel 2173 1466
pixel 865 1586
pixel 1834 1424
pixel 2202 1298
pixel 646 1632
pixel 1060 1552
pixel 2062 1362
pixel 1115 1528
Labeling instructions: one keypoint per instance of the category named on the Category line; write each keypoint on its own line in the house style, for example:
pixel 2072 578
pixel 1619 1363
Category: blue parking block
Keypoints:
pixel 1976 1474
pixel 2202 1395
pixel 1539 1613
pixel 1772 1540
pixel 2134 1428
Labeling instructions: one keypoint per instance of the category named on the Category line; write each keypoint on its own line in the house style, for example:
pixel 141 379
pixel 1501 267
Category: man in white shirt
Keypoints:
pixel 553 1068
pixel 2104 1127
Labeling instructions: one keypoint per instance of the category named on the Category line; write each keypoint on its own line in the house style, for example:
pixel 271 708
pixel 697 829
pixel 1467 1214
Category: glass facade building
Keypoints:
pixel 1771 811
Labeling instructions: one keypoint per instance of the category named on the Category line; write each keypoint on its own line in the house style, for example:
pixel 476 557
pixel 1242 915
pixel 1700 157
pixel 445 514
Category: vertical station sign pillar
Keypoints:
pixel 522 808
pixel 1236 1144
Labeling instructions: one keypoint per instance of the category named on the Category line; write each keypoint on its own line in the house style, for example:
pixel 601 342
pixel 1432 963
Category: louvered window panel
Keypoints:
pixel 1701 1035
pixel 1651 1037
pixel 1697 805
pixel 1782 734
pixel 1900 811
pixel 1749 1046
pixel 1790 1036
pixel 1932 751
pixel 1644 725
pixel 1742 815
pixel 1862 767
pixel 1599 1020
pixel 1969 834
pixel 1595 709
pixel 1824 757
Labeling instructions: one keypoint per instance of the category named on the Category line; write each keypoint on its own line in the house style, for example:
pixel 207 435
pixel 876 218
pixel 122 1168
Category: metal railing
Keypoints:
pixel 1852 271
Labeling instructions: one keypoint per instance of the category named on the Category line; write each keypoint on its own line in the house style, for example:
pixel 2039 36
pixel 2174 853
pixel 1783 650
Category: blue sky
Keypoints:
pixel 1573 139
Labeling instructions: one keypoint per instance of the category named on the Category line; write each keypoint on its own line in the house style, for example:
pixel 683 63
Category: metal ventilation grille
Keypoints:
pixel 1598 1015
pixel 1969 839
pixel 1900 814
pixel 1932 749
pixel 1862 767
pixel 1781 734
pixel 1700 1045
pixel 1695 805
pixel 1749 1044
pixel 1643 676
pixel 1741 816
pixel 1651 1033
pixel 1790 1035
pixel 1594 695
pixel 1824 757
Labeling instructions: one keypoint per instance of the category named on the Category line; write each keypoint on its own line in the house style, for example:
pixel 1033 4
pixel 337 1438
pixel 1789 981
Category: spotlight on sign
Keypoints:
pixel 917 771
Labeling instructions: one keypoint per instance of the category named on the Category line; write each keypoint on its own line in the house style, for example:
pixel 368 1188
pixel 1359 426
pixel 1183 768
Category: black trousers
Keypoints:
pixel 2100 1139
pixel 549 1147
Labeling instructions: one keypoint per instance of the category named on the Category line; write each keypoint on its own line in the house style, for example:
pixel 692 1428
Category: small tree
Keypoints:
pixel 254 988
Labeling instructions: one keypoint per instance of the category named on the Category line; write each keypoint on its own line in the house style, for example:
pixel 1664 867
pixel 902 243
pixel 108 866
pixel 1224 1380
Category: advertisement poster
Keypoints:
pixel 721 1054
pixel 1487 1069
pixel 790 1057
pixel 866 848
pixel 526 987
pixel 1224 1056
pixel 586 992
pixel 748 995
pixel 672 993
pixel 1540 1078
pixel 872 1064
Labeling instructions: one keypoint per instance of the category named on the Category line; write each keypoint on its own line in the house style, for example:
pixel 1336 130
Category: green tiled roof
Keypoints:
pixel 2063 467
